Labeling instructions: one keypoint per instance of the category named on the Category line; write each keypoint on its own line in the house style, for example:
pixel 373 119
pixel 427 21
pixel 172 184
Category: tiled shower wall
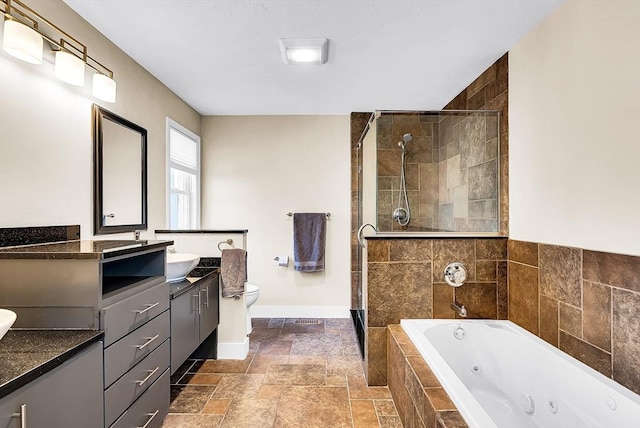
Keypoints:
pixel 405 279
pixel 586 303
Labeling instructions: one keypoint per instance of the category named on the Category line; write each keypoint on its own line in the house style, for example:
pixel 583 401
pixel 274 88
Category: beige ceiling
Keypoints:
pixel 222 57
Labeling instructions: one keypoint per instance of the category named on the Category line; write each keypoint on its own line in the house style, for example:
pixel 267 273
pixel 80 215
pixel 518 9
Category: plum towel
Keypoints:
pixel 233 271
pixel 309 232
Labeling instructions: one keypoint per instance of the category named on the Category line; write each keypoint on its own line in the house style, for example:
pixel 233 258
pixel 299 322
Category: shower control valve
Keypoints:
pixel 455 274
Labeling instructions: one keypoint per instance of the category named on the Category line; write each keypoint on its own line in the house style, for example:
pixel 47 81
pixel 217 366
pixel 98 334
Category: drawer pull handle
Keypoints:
pixel 142 311
pixel 206 298
pixel 22 415
pixel 149 340
pixel 151 373
pixel 152 415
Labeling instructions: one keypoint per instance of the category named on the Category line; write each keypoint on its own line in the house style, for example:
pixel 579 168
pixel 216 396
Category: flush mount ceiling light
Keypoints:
pixel 304 51
pixel 23 38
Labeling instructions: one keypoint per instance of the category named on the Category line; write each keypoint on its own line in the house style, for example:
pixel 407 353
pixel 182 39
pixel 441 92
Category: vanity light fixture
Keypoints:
pixel 23 37
pixel 304 51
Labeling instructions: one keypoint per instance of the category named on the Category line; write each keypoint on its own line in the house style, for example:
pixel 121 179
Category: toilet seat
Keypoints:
pixel 251 289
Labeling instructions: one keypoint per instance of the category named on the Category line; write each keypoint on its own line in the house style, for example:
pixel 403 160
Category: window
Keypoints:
pixel 183 177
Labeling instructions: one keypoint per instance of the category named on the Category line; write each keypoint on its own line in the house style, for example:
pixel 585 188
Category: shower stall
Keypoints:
pixel 424 173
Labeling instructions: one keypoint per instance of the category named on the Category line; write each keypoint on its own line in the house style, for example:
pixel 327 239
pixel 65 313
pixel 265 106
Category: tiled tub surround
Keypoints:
pixel 420 399
pixel 586 303
pixel 405 279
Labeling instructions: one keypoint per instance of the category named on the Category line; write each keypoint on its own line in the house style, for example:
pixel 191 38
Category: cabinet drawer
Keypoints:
pixel 123 317
pixel 151 408
pixel 134 383
pixel 131 349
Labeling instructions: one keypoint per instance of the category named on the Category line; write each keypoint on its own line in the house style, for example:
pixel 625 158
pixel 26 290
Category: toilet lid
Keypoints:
pixel 250 288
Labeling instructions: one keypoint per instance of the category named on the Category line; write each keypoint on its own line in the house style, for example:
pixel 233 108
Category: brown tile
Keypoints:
pixel 341 323
pixel 405 283
pixel 560 277
pixel 225 366
pixel 295 374
pixel 269 392
pixel 596 320
pixel 376 356
pixel 446 251
pixel 406 345
pixel 423 373
pixel 385 408
pixel 486 270
pixel 358 389
pixel 478 298
pixel 483 80
pixel 316 344
pixel 306 359
pixel 570 320
pixel 442 298
pixel 251 413
pixel 344 365
pixel 491 249
pixel 523 252
pixel 189 399
pixel 217 406
pixel 239 386
pixel 388 161
pixel 413 250
pixel 626 340
pixel 502 74
pixel 336 380
pixel 416 394
pixel 200 379
pixel 306 406
pixel 619 270
pixel 502 290
pixel 437 401
pixel 192 421
pixel 390 422
pixel 451 420
pixel 363 414
pixel 588 354
pixel 523 296
pixel 549 320
pixel 261 333
pixel 259 364
pixel 275 347
pixel 396 374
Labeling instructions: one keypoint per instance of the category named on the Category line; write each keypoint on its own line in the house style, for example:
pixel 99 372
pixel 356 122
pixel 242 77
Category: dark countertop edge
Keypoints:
pixel 243 231
pixel 181 291
pixel 31 375
pixel 435 235
pixel 69 255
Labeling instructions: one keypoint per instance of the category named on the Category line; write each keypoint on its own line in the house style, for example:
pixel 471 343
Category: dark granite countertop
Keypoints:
pixel 27 354
pixel 102 249
pixel 192 280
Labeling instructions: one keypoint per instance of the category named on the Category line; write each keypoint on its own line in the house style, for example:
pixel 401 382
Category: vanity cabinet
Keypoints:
pixel 194 316
pixel 69 396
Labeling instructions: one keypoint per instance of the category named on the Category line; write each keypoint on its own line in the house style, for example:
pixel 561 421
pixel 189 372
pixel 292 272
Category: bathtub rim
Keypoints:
pixel 450 382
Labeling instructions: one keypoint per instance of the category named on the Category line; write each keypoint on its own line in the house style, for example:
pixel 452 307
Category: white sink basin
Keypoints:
pixel 179 265
pixel 7 318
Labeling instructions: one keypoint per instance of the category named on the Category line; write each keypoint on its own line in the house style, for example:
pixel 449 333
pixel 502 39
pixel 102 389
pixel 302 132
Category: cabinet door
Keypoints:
pixel 69 396
pixel 185 327
pixel 209 316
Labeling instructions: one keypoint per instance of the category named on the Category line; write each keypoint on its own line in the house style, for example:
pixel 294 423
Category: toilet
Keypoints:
pixel 251 292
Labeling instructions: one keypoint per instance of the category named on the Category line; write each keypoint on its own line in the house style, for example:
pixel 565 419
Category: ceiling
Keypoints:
pixel 222 56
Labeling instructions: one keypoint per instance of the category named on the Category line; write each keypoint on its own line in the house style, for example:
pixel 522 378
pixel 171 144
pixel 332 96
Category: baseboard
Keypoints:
pixel 233 351
pixel 300 312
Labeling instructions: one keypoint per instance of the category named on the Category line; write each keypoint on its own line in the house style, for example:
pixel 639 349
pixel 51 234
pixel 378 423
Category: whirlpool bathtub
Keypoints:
pixel 500 375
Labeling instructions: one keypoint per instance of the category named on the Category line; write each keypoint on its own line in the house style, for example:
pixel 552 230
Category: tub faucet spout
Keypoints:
pixel 461 310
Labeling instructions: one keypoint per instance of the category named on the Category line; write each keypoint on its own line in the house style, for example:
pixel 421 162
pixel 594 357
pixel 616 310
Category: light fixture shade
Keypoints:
pixel 22 42
pixel 104 88
pixel 69 68
pixel 304 51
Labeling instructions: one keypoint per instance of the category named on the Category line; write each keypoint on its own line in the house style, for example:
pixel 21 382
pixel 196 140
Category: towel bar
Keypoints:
pixel 290 214
pixel 228 242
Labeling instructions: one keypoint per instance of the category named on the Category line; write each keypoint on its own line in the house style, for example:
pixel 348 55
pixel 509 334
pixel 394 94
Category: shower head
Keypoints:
pixel 405 139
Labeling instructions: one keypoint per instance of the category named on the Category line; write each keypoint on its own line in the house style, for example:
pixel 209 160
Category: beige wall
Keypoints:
pixel 574 147
pixel 46 147
pixel 259 168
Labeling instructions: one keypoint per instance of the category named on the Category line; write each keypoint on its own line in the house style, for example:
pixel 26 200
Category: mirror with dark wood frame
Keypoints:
pixel 120 174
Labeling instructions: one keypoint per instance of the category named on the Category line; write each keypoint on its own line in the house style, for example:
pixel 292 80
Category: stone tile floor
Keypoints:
pixel 299 373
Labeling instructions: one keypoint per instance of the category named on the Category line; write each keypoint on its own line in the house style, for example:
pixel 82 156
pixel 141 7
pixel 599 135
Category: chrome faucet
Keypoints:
pixel 461 310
